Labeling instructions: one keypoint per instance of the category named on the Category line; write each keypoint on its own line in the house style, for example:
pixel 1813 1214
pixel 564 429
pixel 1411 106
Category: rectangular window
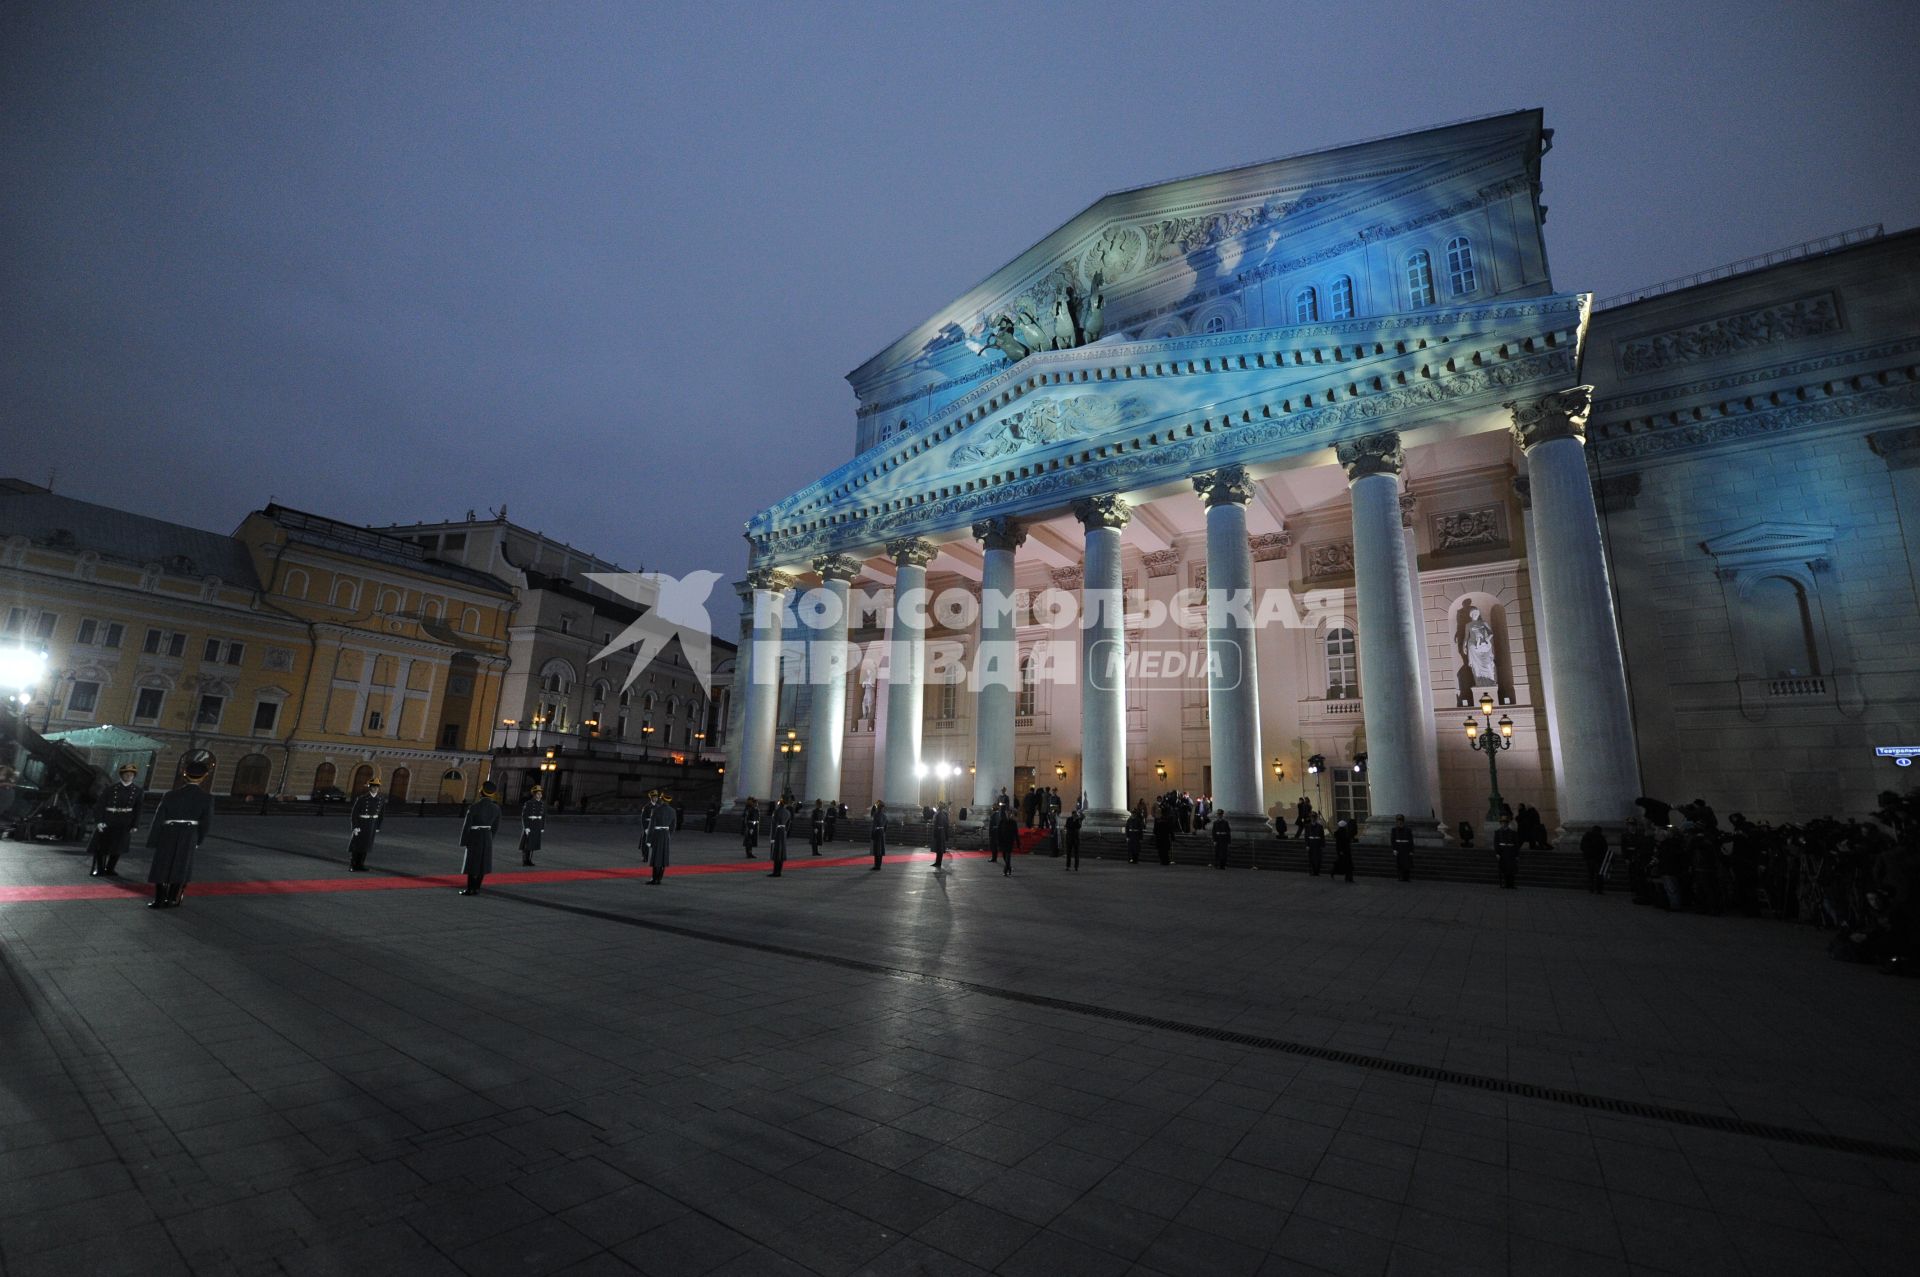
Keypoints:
pixel 152 645
pixel 110 637
pixel 266 715
pixel 16 620
pixel 85 637
pixel 208 714
pixel 43 628
pixel 454 542
pixel 236 652
pixel 176 645
pixel 146 707
pixel 83 698
pixel 373 720
pixel 212 650
pixel 450 736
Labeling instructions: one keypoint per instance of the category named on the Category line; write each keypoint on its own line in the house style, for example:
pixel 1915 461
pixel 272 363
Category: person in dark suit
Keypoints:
pixel 1136 831
pixel 1070 843
pixel 533 822
pixel 879 833
pixel 713 814
pixel 1163 833
pixel 817 826
pixel 1402 841
pixel 656 838
pixel 937 837
pixel 1302 811
pixel 1314 834
pixel 116 816
pixel 476 836
pixel 1343 848
pixel 180 825
pixel 368 813
pixel 781 817
pixel 750 828
pixel 1593 849
pixel 1506 852
pixel 1222 840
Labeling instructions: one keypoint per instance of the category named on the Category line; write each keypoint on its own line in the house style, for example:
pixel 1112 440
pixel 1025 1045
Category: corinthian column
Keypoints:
pixel 996 666
pixel 906 672
pixel 827 663
pixel 1103 672
pixel 1233 690
pixel 1389 636
pixel 753 754
pixel 1599 766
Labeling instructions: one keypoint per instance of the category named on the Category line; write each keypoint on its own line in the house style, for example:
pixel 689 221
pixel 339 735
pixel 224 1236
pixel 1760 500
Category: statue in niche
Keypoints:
pixel 1476 646
pixel 866 700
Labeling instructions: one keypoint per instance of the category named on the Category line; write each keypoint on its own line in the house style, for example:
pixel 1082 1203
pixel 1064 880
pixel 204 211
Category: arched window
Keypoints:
pixel 1419 280
pixel 1782 625
pixel 323 777
pixel 1340 298
pixel 1306 306
pixel 600 688
pixel 673 706
pixel 1343 664
pixel 648 702
pixel 1216 324
pixel 1024 703
pixel 556 676
pixel 250 776
pixel 1459 266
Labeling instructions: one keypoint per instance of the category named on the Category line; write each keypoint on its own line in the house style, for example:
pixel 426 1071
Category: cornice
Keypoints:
pixel 1808 408
pixel 1753 376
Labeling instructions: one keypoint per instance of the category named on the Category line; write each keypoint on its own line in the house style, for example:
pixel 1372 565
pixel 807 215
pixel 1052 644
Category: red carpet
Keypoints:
pixel 374 880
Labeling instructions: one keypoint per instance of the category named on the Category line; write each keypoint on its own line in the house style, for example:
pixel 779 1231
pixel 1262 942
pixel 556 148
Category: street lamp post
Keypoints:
pixel 1491 741
pixel 788 748
pixel 1317 768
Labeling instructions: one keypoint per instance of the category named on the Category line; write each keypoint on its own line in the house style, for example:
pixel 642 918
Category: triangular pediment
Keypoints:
pixel 1157 248
pixel 1772 538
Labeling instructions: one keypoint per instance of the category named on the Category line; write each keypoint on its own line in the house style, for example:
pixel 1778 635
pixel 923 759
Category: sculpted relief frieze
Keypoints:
pixel 1047 421
pixel 1331 558
pixel 1731 334
pixel 1460 530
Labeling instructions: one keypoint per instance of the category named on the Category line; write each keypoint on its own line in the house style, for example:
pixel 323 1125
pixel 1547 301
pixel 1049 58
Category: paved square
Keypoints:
pixel 1131 1069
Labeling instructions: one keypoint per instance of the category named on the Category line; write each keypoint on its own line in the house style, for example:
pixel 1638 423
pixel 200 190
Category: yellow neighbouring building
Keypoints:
pixel 307 653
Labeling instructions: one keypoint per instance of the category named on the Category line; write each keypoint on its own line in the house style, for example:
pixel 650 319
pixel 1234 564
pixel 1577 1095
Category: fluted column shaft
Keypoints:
pixel 1389 635
pixel 1233 689
pixel 996 667
pixel 1103 672
pixel 754 752
pixel 906 673
pixel 827 668
pixel 1600 767
pixel 1544 675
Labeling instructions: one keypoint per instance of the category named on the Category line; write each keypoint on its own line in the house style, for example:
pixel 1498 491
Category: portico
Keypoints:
pixel 1263 463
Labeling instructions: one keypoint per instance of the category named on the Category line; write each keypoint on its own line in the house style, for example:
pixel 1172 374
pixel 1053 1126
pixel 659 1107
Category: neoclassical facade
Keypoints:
pixel 1340 387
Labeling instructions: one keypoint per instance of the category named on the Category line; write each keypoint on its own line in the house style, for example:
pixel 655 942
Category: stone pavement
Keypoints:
pixel 1133 1069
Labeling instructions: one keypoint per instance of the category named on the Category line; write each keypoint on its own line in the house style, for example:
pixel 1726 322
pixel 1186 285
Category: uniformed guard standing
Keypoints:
pixel 713 814
pixel 942 827
pixel 1506 851
pixel 781 818
pixel 1343 848
pixel 657 837
pixel 750 828
pixel 369 811
pixel 1402 841
pixel 1136 831
pixel 1163 832
pixel 1071 842
pixel 1222 840
pixel 180 825
pixel 817 825
pixel 1314 834
pixel 533 822
pixel 879 834
pixel 116 817
pixel 476 835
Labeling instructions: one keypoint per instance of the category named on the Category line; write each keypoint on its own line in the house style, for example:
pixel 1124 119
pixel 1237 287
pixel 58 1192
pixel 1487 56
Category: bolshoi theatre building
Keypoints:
pixel 1285 471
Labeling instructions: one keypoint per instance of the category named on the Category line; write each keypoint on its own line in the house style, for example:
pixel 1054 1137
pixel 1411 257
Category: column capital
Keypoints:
pixel 1229 485
pixel 772 580
pixel 1000 533
pixel 1560 415
pixel 837 567
pixel 912 552
pixel 1523 488
pixel 1899 448
pixel 1371 454
pixel 1105 511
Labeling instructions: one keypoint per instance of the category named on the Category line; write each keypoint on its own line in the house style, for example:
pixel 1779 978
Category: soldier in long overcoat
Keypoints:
pixel 938 835
pixel 658 840
pixel 115 819
pixel 180 825
pixel 879 833
pixel 750 827
pixel 817 825
pixel 1506 851
pixel 782 817
pixel 368 813
pixel 476 835
pixel 533 822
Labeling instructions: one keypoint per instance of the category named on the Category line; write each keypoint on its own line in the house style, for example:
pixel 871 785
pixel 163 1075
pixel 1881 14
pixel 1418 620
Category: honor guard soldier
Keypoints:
pixel 533 819
pixel 657 837
pixel 750 828
pixel 1136 831
pixel 1402 840
pixel 115 819
pixel 476 837
pixel 1343 848
pixel 1314 834
pixel 938 836
pixel 782 816
pixel 179 827
pixel 369 810
pixel 1222 840
pixel 1506 851
pixel 879 834
pixel 817 825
